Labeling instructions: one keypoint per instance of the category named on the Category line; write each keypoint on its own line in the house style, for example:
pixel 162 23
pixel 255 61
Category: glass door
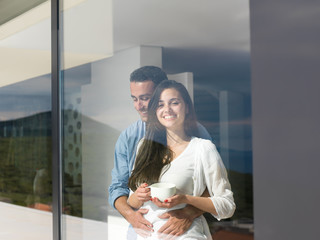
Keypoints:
pixel 25 120
pixel 86 39
pixel 103 42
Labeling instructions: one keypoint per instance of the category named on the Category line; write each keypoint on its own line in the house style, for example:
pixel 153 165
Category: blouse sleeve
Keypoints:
pixel 215 178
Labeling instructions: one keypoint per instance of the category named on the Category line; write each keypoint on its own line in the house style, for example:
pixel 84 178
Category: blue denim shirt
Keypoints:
pixel 124 157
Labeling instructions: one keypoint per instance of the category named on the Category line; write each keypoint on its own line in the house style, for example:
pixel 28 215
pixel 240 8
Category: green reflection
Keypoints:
pixel 25 143
pixel 25 161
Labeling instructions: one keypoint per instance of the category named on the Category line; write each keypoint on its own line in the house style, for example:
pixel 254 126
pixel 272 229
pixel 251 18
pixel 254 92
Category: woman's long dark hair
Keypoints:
pixel 153 153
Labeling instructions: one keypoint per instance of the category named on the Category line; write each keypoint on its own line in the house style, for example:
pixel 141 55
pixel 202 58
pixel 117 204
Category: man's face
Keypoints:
pixel 141 93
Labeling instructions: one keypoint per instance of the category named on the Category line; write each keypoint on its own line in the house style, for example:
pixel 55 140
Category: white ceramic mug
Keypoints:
pixel 162 191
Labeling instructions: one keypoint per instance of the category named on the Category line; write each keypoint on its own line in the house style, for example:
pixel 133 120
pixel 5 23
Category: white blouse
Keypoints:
pixel 198 167
pixel 210 173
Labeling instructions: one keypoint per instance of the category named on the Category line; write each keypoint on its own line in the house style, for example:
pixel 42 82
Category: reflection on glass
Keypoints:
pixel 25 120
pixel 227 116
pixel 25 147
pixel 72 188
pixel 84 40
pixel 25 133
pixel 97 104
pixel 99 53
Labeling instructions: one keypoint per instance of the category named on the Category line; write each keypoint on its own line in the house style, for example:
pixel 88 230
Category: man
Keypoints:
pixel 143 81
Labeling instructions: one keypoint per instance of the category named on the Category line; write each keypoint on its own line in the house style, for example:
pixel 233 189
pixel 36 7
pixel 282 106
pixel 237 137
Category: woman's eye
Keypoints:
pixel 175 103
pixel 160 105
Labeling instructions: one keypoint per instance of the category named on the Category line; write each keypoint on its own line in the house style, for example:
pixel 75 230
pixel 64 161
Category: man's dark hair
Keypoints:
pixel 155 74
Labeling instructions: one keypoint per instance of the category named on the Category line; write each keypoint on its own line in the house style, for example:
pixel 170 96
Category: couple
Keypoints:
pixel 169 152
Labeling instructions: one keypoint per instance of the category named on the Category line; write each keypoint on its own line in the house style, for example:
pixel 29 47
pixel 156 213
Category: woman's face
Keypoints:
pixel 171 110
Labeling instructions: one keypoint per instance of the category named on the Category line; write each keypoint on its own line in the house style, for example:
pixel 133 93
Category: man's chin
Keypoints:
pixel 144 118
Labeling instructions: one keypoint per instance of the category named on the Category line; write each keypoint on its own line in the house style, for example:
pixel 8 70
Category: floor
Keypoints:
pixel 24 223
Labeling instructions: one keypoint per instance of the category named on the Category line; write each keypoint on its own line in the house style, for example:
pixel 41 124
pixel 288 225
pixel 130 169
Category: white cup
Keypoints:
pixel 162 191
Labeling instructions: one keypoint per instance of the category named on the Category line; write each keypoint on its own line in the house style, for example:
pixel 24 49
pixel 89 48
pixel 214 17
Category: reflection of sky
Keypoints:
pixel 25 98
pixel 213 69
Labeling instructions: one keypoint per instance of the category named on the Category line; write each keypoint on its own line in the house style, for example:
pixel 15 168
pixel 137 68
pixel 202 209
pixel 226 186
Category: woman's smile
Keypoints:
pixel 169 117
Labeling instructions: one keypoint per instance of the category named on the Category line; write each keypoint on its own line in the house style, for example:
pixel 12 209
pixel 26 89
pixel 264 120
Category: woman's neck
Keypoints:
pixel 177 137
pixel 177 141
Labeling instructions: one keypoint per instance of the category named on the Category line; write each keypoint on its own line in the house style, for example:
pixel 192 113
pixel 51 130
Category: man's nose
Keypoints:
pixel 140 104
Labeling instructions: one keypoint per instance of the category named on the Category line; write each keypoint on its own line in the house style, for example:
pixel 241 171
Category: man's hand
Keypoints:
pixel 140 225
pixel 135 218
pixel 180 220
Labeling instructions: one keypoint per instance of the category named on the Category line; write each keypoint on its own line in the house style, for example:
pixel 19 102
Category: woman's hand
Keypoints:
pixel 143 193
pixel 202 203
pixel 171 201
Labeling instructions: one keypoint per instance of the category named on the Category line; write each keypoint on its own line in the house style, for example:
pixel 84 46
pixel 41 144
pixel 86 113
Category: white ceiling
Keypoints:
pixel 210 38
pixel 219 24
pixel 214 24
pixel 192 32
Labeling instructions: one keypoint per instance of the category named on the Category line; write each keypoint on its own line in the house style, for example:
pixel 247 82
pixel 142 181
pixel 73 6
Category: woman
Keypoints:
pixel 171 152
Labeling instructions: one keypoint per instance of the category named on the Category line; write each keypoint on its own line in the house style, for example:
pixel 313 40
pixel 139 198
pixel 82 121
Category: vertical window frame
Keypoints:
pixel 56 118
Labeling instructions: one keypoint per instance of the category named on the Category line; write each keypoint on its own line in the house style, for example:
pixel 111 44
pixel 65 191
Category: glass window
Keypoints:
pixel 25 120
pixel 205 46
